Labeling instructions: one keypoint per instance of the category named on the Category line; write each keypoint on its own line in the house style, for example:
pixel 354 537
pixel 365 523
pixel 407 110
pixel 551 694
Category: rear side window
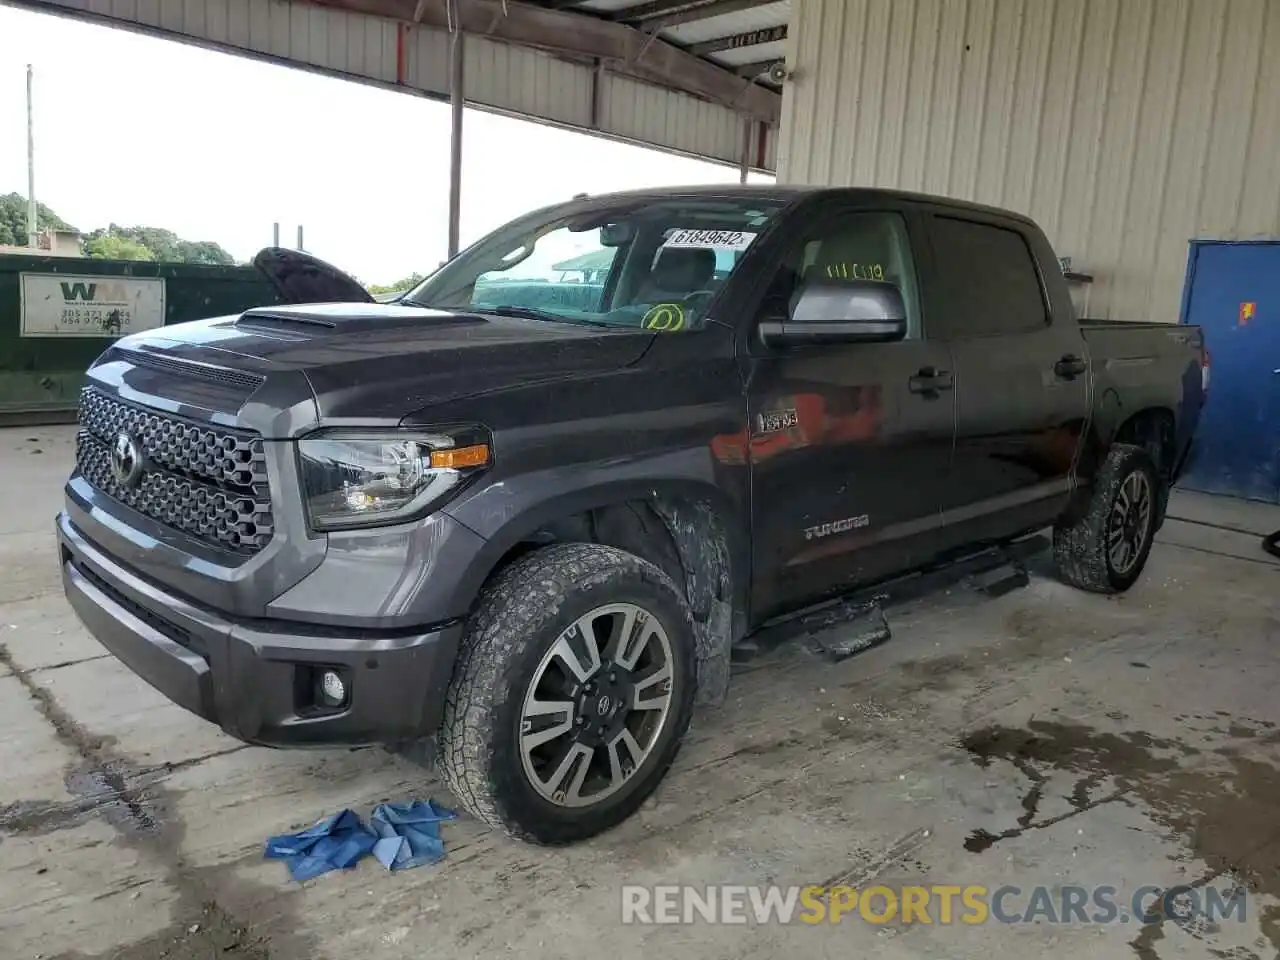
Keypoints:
pixel 988 283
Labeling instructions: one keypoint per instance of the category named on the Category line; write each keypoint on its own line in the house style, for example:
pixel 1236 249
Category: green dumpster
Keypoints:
pixel 57 314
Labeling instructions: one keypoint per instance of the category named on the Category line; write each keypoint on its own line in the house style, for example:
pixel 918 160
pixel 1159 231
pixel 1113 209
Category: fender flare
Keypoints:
pixel 709 534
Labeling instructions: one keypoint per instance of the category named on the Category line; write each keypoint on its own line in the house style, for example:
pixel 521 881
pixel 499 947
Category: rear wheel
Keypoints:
pixel 573 689
pixel 1106 549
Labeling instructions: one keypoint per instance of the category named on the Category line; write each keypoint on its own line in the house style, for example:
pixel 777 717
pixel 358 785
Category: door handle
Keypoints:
pixel 1070 367
pixel 930 381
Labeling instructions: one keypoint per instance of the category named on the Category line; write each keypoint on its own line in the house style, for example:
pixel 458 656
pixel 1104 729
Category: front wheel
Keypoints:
pixel 1106 549
pixel 571 695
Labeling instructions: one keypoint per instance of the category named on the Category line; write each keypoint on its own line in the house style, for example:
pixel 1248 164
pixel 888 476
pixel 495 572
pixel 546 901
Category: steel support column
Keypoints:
pixel 455 136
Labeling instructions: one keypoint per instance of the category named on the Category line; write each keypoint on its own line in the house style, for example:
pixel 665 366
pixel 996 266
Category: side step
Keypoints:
pixel 841 639
pixel 840 628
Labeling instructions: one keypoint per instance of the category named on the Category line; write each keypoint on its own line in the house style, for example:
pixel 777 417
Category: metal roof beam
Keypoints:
pixel 751 38
pixel 752 70
pixel 675 12
pixel 622 48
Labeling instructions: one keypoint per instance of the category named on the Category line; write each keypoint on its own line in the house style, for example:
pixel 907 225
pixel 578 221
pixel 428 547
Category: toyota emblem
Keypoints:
pixel 126 460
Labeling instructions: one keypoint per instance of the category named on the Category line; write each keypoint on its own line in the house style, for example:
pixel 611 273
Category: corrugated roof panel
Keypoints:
pixel 650 114
pixel 728 24
pixel 1124 127
pixel 527 82
pixel 608 6
pixel 761 51
pixel 505 77
pixel 217 19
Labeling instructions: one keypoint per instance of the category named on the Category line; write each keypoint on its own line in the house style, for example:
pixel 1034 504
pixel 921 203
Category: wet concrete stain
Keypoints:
pixel 937 673
pixel 123 795
pixel 209 919
pixel 1226 809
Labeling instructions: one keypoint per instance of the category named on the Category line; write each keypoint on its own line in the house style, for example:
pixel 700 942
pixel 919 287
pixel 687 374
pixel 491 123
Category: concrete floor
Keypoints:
pixel 1044 738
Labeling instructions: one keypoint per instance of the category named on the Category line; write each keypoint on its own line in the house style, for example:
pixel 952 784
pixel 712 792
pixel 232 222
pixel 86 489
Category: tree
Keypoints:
pixel 112 242
pixel 163 244
pixel 112 246
pixel 13 219
pixel 408 283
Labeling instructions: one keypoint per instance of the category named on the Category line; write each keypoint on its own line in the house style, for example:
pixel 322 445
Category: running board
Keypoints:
pixel 840 628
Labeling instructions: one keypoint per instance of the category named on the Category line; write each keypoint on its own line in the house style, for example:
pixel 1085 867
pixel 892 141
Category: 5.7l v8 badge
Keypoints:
pixel 771 421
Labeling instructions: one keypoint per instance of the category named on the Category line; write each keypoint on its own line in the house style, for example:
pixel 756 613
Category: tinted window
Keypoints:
pixel 987 281
pixel 648 262
pixel 859 246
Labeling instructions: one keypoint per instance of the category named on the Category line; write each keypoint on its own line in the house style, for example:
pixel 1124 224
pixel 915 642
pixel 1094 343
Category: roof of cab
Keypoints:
pixel 784 193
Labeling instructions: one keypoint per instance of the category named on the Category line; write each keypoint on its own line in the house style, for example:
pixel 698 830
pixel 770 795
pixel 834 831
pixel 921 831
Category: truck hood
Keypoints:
pixel 375 361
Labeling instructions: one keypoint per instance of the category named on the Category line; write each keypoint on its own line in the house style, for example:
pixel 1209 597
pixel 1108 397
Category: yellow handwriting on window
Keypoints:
pixel 856 271
pixel 664 317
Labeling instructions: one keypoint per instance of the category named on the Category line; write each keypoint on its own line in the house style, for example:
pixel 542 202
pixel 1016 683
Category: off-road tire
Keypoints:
pixel 1080 548
pixel 520 614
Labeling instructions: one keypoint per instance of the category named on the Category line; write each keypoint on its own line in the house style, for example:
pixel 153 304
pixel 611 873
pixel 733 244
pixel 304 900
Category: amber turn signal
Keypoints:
pixel 456 458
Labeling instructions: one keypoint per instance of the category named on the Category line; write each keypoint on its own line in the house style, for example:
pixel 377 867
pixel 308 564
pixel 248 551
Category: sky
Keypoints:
pixel 140 131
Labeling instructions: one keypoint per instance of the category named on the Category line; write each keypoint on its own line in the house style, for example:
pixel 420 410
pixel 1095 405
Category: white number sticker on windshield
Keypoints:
pixel 715 239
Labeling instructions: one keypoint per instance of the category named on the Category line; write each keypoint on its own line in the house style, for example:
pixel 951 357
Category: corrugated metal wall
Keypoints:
pixel 509 79
pixel 1125 127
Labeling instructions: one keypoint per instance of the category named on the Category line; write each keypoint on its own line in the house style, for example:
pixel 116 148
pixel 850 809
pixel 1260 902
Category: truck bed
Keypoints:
pixel 1134 340
pixel 1135 364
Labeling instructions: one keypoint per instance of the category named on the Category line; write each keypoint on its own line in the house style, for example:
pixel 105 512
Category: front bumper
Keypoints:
pixel 245 675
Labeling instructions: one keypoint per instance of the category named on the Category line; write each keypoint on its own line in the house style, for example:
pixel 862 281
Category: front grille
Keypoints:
pixel 209 483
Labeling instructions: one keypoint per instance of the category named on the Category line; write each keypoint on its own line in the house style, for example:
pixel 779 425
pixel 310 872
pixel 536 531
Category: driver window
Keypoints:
pixel 859 246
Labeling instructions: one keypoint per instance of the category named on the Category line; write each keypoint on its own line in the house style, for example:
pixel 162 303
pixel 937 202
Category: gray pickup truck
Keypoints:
pixel 523 515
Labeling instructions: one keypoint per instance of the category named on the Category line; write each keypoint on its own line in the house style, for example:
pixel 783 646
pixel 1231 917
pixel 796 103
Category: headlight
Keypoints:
pixel 367 478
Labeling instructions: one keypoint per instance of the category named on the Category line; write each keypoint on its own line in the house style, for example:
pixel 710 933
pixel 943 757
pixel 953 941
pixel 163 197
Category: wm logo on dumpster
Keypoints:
pixel 94 292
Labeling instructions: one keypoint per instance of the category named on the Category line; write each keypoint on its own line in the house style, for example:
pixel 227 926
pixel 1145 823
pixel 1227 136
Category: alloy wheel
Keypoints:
pixel 597 705
pixel 1130 522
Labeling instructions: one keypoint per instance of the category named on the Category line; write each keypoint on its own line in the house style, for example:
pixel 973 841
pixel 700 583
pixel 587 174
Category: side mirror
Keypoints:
pixel 841 311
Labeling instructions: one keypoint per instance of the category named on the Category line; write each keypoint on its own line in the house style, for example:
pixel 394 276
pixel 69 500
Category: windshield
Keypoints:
pixel 651 264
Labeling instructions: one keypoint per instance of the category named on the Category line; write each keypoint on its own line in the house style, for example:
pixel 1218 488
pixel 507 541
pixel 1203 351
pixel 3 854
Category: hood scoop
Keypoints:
pixel 321 319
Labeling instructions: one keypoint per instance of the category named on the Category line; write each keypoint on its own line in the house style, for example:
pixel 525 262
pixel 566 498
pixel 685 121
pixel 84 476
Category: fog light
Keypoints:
pixel 333 692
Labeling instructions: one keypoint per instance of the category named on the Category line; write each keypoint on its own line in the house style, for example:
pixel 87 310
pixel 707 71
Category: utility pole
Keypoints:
pixel 32 214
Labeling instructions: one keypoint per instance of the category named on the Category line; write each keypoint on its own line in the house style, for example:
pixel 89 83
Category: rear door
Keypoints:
pixel 848 444
pixel 1022 386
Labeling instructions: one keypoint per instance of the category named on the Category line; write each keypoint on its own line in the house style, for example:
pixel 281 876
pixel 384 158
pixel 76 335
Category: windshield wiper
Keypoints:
pixel 525 313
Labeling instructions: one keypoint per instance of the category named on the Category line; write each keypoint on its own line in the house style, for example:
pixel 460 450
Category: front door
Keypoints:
pixel 1235 298
pixel 849 445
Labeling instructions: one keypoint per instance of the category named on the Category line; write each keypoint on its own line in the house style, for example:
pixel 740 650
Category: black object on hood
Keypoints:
pixel 301 278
